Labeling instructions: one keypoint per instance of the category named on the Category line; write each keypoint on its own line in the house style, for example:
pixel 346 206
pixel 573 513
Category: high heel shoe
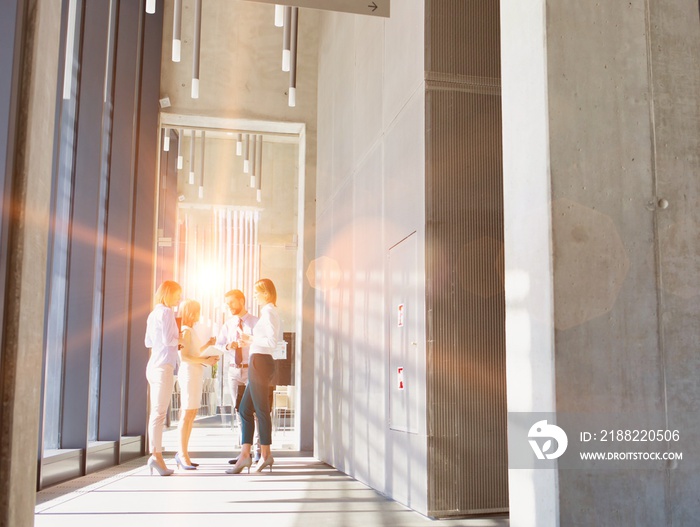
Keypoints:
pixel 153 465
pixel 267 462
pixel 243 462
pixel 182 464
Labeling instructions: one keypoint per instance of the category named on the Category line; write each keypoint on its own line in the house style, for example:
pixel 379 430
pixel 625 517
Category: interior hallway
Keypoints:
pixel 299 491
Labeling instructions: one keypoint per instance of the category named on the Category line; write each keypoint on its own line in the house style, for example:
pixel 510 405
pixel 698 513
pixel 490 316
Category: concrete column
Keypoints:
pixel 601 160
pixel 32 132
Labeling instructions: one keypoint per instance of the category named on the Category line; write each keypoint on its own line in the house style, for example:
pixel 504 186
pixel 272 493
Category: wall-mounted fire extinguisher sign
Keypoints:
pixel 399 375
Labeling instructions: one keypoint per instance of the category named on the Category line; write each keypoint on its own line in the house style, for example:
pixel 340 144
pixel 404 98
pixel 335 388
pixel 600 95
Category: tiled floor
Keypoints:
pixel 300 491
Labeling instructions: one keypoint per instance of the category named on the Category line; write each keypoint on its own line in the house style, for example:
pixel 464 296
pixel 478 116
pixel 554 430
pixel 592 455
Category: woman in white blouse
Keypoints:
pixel 261 367
pixel 190 377
pixel 162 336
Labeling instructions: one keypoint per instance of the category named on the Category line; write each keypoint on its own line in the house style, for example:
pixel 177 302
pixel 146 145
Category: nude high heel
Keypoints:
pixel 267 462
pixel 240 465
pixel 153 465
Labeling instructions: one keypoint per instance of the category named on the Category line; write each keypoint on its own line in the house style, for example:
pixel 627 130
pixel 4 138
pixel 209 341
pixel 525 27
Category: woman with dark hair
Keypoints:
pixel 261 367
pixel 190 378
pixel 162 337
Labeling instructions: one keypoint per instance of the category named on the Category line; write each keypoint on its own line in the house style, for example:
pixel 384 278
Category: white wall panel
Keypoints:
pixel 404 171
pixel 403 55
pixel 344 102
pixel 324 183
pixel 370 397
pixel 369 83
pixel 371 194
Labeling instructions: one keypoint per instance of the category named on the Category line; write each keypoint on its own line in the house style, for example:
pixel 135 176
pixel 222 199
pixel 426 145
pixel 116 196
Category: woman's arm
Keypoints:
pixel 171 334
pixel 149 340
pixel 207 345
pixel 190 354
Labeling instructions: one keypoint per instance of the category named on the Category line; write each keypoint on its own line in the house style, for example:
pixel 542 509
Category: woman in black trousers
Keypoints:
pixel 261 367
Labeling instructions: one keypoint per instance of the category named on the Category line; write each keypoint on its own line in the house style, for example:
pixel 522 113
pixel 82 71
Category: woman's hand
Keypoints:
pixel 210 342
pixel 212 360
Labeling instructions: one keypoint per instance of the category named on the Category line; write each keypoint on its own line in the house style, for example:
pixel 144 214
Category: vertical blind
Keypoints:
pixel 217 250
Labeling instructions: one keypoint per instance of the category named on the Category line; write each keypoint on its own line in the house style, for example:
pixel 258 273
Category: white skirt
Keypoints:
pixel 190 377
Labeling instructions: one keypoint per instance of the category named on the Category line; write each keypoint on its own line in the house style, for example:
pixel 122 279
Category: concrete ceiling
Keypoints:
pixel 241 78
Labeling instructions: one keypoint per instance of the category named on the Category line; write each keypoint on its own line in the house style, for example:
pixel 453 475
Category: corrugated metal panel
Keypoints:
pixel 465 298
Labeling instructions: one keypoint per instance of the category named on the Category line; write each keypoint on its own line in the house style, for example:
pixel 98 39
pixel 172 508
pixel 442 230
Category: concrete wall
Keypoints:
pixel 600 127
pixel 277 261
pixel 674 45
pixel 370 197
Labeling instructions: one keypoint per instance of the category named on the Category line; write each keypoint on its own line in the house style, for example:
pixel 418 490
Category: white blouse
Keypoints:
pixel 267 331
pixel 162 337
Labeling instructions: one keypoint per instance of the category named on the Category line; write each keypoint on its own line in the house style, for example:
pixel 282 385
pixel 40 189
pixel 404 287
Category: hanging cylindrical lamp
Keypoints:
pixel 293 57
pixel 286 37
pixel 258 165
pixel 201 167
pixel 177 30
pixel 197 44
pixel 166 139
pixel 279 15
pixel 179 149
pixel 253 159
pixel 150 6
pixel 70 50
pixel 192 141
pixel 239 144
pixel 246 153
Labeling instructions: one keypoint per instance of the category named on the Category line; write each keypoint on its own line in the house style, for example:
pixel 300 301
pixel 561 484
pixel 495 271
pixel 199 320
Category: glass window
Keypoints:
pixel 58 250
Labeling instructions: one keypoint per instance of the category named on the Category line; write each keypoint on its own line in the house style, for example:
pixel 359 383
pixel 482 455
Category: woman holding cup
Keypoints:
pixel 261 367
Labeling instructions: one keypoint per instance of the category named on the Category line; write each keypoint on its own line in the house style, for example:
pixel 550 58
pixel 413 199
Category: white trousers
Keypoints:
pixel 161 382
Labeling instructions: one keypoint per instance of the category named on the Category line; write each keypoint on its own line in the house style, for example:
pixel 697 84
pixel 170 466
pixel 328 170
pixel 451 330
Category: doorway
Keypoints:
pixel 231 211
